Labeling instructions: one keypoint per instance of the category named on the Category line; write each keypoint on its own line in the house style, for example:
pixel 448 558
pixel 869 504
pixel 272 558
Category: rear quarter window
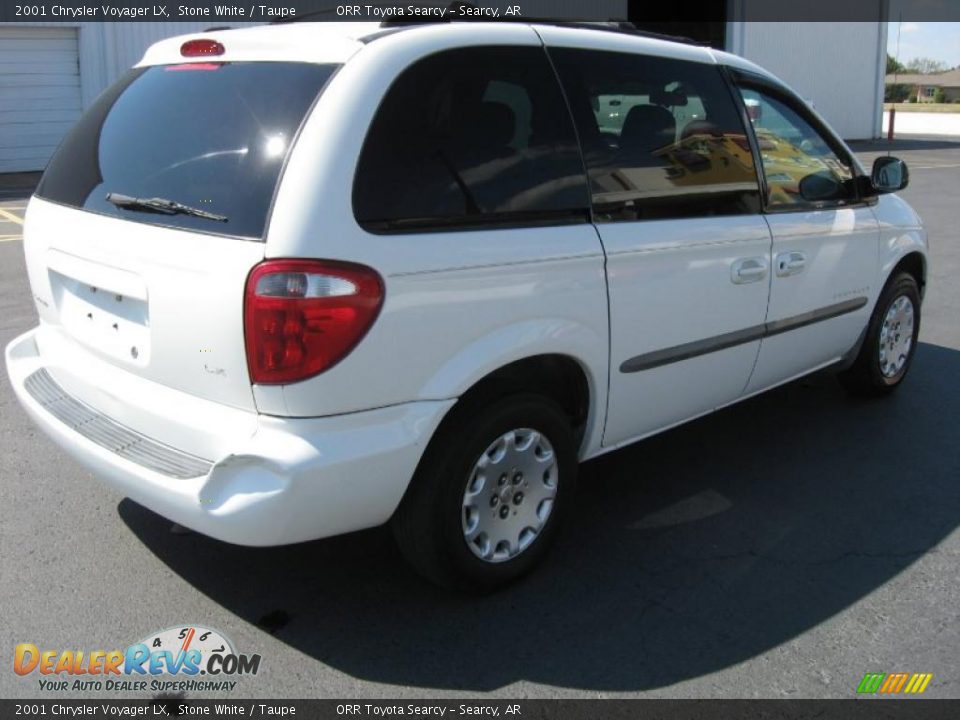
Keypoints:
pixel 471 137
pixel 209 135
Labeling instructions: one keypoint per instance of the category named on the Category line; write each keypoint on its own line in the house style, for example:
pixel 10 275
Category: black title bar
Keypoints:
pixel 872 709
pixel 638 11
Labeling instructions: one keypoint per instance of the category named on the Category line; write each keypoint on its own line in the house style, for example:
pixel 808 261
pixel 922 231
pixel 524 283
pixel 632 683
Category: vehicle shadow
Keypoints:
pixel 685 554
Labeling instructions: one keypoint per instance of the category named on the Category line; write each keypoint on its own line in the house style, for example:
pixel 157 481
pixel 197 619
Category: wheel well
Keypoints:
pixel 912 263
pixel 558 377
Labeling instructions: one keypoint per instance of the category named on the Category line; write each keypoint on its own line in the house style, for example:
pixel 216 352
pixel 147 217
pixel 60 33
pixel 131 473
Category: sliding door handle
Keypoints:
pixel 748 270
pixel 790 263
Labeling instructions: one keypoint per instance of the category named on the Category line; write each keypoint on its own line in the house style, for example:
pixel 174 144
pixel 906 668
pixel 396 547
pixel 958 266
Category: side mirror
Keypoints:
pixel 889 174
pixel 821 186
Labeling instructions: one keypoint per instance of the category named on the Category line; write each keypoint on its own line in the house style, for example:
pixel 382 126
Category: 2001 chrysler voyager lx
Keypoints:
pixel 303 279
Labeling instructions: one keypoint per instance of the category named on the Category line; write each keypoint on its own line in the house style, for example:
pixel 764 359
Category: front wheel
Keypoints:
pixel 890 343
pixel 485 503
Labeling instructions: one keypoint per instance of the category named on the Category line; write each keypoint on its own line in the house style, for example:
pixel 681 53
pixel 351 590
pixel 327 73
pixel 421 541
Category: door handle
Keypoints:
pixel 748 270
pixel 790 263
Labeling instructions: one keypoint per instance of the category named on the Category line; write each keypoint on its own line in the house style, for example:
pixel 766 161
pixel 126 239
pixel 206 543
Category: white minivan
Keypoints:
pixel 303 279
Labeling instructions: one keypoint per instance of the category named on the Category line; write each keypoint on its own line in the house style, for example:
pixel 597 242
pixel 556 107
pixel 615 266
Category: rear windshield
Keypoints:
pixel 212 136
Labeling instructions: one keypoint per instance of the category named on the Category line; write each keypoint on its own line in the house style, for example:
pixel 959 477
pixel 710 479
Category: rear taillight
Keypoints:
pixel 301 317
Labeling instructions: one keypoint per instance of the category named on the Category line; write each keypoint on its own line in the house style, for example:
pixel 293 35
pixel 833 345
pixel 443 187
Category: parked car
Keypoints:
pixel 298 280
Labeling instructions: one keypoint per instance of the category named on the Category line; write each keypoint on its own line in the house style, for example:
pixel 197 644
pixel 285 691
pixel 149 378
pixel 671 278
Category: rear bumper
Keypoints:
pixel 291 480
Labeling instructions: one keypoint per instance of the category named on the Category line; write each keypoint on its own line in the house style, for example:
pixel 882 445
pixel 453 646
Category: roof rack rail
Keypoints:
pixel 618 26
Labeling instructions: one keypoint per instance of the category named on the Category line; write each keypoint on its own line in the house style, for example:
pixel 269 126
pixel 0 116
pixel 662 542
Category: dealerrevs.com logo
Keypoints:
pixel 178 659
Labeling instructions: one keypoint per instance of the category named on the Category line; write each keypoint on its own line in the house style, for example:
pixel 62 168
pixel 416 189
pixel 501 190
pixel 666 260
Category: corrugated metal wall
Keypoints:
pixel 838 66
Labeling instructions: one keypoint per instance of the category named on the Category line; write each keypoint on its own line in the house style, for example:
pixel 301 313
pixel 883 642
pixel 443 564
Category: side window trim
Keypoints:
pixel 591 216
pixel 493 221
pixel 744 80
pixel 730 80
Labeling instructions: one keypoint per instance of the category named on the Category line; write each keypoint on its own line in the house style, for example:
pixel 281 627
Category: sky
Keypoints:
pixel 935 40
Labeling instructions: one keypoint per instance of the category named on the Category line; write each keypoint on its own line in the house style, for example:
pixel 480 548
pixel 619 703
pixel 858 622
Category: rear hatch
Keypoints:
pixel 153 289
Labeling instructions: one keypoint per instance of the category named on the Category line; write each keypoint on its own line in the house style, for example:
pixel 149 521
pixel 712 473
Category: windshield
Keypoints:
pixel 212 136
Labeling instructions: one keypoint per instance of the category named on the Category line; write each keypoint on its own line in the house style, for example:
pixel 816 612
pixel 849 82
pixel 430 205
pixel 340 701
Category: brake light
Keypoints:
pixel 201 48
pixel 188 67
pixel 301 317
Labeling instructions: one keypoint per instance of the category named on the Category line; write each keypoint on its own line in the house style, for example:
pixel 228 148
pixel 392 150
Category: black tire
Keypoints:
pixel 428 523
pixel 865 378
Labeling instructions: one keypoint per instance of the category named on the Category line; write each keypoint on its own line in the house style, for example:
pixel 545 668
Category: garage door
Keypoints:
pixel 39 94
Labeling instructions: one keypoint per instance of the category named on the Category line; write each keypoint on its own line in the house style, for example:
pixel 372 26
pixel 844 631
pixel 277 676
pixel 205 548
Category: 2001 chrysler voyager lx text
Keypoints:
pixel 303 279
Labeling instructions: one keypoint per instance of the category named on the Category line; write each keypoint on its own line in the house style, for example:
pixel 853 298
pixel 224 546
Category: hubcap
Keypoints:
pixel 509 495
pixel 896 337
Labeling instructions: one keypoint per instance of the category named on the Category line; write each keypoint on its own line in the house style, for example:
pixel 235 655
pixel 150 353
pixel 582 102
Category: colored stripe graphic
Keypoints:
pixel 894 683
pixel 919 681
pixel 871 682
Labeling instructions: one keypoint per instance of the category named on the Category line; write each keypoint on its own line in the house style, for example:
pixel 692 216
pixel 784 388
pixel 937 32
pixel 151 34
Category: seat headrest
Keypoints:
pixel 493 124
pixel 647 128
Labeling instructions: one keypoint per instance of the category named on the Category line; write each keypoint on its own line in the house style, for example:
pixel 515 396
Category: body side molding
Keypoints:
pixel 657 358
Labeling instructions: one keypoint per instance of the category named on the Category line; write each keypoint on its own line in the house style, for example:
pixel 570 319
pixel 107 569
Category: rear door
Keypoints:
pixel 151 292
pixel 825 252
pixel 676 204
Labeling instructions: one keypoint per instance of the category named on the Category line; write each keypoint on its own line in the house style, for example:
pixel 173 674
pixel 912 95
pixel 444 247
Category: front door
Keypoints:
pixel 825 251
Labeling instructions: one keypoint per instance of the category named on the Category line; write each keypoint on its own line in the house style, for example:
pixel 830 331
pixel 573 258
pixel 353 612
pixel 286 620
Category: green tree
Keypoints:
pixel 893 65
pixel 896 93
pixel 925 66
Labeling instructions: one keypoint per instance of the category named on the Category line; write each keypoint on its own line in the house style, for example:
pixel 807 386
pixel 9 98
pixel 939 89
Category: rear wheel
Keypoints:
pixel 485 503
pixel 890 343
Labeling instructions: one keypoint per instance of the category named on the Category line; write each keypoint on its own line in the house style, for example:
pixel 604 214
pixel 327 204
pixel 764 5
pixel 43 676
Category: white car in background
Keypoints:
pixel 303 279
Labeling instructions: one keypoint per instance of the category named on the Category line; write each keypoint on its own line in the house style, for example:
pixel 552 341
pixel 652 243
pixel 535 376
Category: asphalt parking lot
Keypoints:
pixel 781 548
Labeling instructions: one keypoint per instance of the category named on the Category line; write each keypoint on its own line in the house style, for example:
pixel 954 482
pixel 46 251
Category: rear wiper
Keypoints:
pixel 161 205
